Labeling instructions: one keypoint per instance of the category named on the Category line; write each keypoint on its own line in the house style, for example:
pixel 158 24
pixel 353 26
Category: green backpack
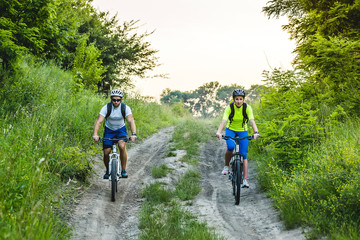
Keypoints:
pixel 231 116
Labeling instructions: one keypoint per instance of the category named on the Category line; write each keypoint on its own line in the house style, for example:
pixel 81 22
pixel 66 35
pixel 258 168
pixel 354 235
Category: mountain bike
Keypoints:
pixel 114 165
pixel 236 166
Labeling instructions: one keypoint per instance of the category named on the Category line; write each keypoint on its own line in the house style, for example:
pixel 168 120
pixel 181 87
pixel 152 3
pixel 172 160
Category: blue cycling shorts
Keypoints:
pixel 108 133
pixel 243 145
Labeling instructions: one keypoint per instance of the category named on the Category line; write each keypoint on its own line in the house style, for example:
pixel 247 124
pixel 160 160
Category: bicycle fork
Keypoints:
pixel 114 156
pixel 235 158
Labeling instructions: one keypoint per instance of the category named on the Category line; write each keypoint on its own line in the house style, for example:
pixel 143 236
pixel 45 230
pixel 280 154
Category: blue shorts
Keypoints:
pixel 108 133
pixel 243 145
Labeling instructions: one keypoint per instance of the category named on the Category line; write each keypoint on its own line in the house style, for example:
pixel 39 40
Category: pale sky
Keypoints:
pixel 199 41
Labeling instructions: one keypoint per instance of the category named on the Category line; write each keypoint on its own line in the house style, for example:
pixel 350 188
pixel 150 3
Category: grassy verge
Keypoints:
pixel 162 215
pixel 189 134
pixel 161 171
pixel 45 140
pixel 323 191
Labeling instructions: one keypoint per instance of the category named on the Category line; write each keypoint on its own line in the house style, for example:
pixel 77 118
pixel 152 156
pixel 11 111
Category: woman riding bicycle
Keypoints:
pixel 235 117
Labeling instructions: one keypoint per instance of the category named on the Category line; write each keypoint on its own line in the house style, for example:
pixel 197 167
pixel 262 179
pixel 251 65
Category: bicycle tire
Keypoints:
pixel 232 176
pixel 234 159
pixel 113 173
pixel 238 176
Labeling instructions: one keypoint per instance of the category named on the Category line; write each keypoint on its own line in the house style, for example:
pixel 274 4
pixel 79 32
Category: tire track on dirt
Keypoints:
pixel 96 217
pixel 253 219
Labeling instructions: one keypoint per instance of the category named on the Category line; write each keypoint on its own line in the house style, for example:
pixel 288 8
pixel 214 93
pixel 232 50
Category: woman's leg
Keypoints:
pixel 230 146
pixel 245 168
pixel 228 155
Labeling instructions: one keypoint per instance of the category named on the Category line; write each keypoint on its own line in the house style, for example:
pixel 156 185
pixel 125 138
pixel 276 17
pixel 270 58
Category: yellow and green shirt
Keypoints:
pixel 236 124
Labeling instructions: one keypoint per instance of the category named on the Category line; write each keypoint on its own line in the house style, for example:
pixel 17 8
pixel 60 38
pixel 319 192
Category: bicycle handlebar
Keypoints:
pixel 237 138
pixel 114 139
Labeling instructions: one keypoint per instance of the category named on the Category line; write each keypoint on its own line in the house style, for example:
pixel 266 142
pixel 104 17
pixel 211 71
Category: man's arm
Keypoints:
pixel 131 121
pixel 97 125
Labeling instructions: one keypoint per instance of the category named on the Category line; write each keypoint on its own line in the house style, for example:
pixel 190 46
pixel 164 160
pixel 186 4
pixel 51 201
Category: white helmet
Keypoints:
pixel 116 93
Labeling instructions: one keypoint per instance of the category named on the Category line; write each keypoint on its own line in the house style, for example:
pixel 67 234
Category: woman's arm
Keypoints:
pixel 221 126
pixel 256 131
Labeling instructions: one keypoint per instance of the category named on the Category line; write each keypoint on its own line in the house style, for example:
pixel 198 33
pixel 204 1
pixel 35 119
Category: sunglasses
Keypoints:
pixel 116 100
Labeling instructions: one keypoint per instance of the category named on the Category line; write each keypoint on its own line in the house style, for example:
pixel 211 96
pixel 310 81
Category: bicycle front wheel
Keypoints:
pixel 114 167
pixel 238 177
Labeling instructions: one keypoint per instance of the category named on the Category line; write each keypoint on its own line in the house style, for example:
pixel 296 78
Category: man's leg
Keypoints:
pixel 123 158
pixel 106 162
pixel 106 158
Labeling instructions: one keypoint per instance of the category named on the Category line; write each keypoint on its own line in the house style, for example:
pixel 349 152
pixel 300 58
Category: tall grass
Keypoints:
pixel 189 134
pixel 323 191
pixel 46 127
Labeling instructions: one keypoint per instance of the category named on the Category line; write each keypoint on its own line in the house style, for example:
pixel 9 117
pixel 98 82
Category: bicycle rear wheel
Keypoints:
pixel 238 176
pixel 113 173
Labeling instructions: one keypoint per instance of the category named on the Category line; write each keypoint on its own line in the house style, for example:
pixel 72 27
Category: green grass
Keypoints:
pixel 189 134
pixel 161 171
pixel 162 217
pixel 158 222
pixel 156 193
pixel 188 187
pixel 323 190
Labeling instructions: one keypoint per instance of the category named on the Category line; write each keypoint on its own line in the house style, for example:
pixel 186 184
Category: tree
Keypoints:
pixel 328 36
pixel 40 27
pixel 124 52
pixel 208 100
pixel 171 97
pixel 87 67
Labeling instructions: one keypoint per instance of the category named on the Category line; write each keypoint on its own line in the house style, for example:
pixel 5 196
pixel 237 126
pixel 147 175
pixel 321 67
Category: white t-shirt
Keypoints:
pixel 115 120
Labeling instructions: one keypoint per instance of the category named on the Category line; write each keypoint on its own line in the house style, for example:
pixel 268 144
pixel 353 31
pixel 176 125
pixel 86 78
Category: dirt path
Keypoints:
pixel 96 217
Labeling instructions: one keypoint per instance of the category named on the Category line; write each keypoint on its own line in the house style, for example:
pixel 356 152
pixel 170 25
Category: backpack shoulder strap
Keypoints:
pixel 231 116
pixel 109 109
pixel 245 116
pixel 123 108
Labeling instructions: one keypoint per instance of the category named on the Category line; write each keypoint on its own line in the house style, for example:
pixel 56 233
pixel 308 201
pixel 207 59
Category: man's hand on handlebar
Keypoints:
pixel 132 138
pixel 96 138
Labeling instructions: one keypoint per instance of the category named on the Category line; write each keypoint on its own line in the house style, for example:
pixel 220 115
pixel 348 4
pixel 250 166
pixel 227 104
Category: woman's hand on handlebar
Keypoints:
pixel 219 136
pixel 256 135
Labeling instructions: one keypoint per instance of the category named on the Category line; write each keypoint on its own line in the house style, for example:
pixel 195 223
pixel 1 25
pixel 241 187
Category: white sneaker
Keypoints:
pixel 245 184
pixel 225 171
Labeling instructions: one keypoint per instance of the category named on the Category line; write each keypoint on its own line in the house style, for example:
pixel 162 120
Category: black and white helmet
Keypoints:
pixel 238 92
pixel 116 93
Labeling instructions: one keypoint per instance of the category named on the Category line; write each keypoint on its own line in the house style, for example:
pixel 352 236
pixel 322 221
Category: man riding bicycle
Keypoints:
pixel 235 117
pixel 115 128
